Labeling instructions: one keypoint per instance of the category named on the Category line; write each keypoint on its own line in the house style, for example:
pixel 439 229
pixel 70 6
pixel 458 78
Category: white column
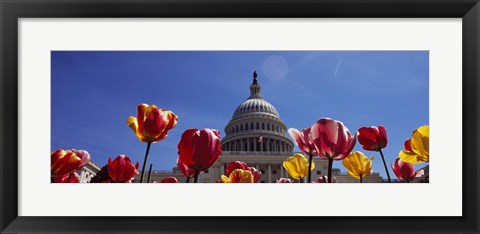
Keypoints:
pixel 82 177
pixel 222 169
pixel 261 145
pixel 269 173
pixel 281 170
pixel 248 145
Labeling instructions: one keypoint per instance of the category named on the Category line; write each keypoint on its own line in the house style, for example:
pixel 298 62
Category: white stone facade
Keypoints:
pixel 88 171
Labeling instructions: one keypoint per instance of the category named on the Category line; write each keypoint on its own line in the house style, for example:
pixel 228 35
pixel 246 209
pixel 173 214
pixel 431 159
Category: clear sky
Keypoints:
pixel 93 93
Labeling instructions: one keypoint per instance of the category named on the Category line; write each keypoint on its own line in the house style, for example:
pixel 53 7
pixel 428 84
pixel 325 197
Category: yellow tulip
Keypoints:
pixel 297 166
pixel 238 176
pixel 417 147
pixel 358 165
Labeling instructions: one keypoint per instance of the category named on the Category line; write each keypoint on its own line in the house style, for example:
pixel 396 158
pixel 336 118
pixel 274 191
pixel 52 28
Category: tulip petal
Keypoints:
pixel 324 136
pixel 66 164
pixel 396 169
pixel 298 138
pixel 367 137
pixel 382 138
pixel 410 157
pixel 199 149
pixel 84 156
pixel 235 165
pixel 420 142
pixel 141 117
pixel 419 173
pixel 239 176
pixel 407 145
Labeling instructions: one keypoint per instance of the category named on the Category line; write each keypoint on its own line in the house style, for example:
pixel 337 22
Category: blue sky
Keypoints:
pixel 94 92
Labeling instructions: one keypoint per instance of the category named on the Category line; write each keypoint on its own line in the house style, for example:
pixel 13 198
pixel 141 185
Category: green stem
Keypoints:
pixel 195 177
pixel 385 165
pixel 300 180
pixel 149 173
pixel 188 179
pixel 310 168
pixel 330 165
pixel 69 177
pixel 361 179
pixel 145 162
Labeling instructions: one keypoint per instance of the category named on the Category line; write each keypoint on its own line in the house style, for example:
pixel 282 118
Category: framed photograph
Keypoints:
pixel 342 93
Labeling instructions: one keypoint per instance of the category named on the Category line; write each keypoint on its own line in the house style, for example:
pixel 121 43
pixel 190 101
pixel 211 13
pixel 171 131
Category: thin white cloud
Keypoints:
pixel 338 67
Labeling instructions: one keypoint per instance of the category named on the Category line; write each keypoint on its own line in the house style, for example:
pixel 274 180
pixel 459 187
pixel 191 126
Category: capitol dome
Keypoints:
pixel 256 126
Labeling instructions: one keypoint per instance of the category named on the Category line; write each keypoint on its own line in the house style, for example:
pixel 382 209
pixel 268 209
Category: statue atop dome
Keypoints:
pixel 255 87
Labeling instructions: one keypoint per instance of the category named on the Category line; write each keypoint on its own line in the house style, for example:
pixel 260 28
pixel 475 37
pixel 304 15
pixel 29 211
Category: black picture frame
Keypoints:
pixel 12 10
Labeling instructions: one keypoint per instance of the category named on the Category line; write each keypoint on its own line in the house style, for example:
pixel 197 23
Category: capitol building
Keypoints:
pixel 257 136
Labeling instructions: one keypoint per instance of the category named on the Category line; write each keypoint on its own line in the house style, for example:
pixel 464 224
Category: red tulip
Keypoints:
pixel 373 138
pixel 284 180
pixel 235 165
pixel 199 149
pixel 302 139
pixel 64 162
pixel 70 178
pixel 170 180
pixel 256 174
pixel 121 170
pixel 331 139
pixel 184 169
pixel 322 178
pixel 405 171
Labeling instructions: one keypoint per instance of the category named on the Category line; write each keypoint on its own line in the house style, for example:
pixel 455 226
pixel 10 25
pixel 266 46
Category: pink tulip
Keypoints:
pixel 83 155
pixel 256 174
pixel 324 179
pixel 405 171
pixel 284 180
pixel 331 139
pixel 302 139
pixel 170 180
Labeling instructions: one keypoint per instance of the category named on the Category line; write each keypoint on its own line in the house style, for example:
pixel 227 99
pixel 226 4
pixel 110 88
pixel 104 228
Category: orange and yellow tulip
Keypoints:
pixel 238 176
pixel 152 123
pixel 64 162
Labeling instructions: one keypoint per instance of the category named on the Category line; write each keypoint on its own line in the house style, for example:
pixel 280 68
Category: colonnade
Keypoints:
pixel 256 144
